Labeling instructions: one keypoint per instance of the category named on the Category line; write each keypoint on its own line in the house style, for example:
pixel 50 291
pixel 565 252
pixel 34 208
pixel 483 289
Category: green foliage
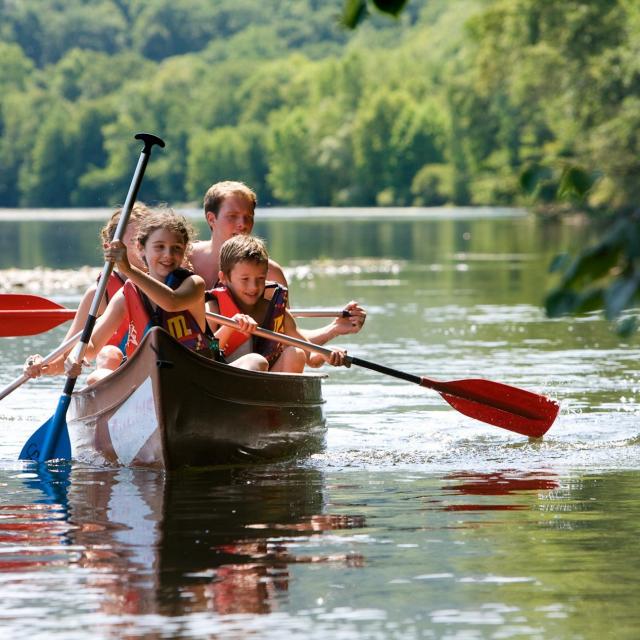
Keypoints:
pixel 517 102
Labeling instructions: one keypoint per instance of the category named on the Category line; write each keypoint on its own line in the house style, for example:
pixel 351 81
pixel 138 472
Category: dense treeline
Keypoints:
pixel 466 102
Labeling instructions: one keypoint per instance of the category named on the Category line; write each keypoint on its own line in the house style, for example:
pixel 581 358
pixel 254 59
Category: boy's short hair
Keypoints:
pixel 242 249
pixel 218 192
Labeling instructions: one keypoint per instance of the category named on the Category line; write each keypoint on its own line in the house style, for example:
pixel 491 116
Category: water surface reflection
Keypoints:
pixel 205 540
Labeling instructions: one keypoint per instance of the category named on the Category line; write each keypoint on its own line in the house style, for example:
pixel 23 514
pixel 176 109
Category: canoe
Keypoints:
pixel 168 407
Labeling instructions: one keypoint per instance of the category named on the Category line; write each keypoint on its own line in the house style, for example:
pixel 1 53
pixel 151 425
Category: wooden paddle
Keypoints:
pixel 51 440
pixel 24 314
pixel 501 405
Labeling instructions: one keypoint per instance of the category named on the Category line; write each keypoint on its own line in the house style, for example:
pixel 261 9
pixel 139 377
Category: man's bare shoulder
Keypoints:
pixel 276 273
pixel 201 248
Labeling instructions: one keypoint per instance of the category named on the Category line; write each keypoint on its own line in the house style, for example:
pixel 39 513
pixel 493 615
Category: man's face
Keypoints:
pixel 234 218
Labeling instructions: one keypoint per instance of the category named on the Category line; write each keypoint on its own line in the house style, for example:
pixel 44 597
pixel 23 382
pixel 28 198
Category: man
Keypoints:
pixel 229 208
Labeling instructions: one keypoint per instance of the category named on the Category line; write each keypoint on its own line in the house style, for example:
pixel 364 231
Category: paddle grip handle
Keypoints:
pixel 149 140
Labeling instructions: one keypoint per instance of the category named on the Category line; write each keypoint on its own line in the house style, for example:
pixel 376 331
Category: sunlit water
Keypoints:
pixel 414 522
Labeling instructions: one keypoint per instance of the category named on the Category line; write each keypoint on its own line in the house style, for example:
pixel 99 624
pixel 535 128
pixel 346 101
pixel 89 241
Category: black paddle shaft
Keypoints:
pixel 359 362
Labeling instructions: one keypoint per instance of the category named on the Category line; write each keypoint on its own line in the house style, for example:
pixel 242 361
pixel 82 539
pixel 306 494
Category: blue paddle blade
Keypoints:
pixel 51 440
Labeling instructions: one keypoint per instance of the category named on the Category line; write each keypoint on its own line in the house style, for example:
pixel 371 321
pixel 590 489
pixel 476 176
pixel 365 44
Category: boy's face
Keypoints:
pixel 234 218
pixel 246 281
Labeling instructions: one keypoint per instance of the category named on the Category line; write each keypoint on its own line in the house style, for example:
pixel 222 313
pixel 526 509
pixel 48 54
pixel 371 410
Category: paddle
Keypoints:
pixel 501 405
pixel 27 315
pixel 24 314
pixel 51 440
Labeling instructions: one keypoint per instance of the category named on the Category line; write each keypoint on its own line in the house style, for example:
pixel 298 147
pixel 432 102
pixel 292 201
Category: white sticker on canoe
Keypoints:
pixel 132 424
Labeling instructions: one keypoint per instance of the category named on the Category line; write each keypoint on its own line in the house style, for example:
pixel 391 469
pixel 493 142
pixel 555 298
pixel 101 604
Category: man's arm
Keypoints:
pixel 337 327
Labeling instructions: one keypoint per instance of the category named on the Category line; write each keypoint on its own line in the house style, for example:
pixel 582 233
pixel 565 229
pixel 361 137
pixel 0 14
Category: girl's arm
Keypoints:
pixel 189 295
pixel 107 324
pixel 104 328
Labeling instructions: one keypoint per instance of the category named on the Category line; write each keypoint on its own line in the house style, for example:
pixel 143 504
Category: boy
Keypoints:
pixel 229 208
pixel 246 297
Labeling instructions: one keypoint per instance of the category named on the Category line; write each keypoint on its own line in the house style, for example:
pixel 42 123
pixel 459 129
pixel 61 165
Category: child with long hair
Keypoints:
pixel 33 366
pixel 167 295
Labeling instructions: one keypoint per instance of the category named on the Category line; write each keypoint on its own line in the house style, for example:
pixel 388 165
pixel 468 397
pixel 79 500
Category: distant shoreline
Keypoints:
pixel 287 213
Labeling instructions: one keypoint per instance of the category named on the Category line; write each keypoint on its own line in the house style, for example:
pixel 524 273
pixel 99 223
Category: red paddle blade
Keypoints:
pixel 502 405
pixel 26 315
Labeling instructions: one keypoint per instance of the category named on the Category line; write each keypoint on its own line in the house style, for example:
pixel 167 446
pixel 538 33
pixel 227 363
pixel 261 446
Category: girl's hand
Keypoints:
pixel 116 252
pixel 72 368
pixel 246 323
pixel 34 367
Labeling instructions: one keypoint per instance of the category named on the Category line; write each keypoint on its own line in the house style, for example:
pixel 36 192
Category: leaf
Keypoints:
pixel 531 177
pixel 560 302
pixel 590 300
pixel 592 263
pixel 393 7
pixel 559 262
pixel 563 302
pixel 618 296
pixel 627 326
pixel 353 13
pixel 574 182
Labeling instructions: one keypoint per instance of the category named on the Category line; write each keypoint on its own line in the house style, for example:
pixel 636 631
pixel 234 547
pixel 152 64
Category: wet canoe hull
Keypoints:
pixel 168 407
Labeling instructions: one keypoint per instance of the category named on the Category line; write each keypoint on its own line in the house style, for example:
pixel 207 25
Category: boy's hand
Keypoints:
pixel 337 357
pixel 353 323
pixel 246 323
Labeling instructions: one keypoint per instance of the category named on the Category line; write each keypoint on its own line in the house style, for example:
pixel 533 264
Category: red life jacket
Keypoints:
pixel 180 324
pixel 273 320
pixel 114 284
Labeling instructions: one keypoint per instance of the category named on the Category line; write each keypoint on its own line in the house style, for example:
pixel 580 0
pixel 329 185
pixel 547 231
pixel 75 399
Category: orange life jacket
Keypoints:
pixel 180 324
pixel 273 320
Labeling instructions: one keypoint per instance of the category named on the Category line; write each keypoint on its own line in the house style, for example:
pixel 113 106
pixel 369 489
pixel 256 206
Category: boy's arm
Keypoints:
pixel 222 332
pixel 313 359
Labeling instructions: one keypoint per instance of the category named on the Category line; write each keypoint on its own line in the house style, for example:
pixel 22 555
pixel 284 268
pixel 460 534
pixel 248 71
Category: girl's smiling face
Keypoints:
pixel 163 252
pixel 246 281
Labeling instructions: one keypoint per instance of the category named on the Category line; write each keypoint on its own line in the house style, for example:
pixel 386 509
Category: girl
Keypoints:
pixel 33 366
pixel 166 296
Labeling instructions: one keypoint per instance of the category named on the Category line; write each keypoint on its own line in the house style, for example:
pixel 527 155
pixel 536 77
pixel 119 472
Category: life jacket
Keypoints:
pixel 180 324
pixel 119 337
pixel 273 320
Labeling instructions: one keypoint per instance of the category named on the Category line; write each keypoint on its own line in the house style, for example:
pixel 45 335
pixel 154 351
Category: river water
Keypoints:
pixel 413 522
